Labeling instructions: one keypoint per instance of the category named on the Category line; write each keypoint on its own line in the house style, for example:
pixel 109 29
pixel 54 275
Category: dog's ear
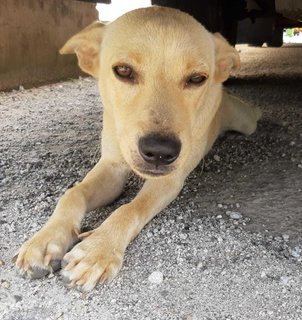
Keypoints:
pixel 227 58
pixel 86 45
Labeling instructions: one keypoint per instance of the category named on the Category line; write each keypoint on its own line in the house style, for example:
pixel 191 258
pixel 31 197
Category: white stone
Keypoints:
pixel 234 215
pixel 285 280
pixel 296 252
pixel 156 277
pixel 183 236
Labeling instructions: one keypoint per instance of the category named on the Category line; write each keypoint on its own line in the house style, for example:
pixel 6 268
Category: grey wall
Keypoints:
pixel 31 33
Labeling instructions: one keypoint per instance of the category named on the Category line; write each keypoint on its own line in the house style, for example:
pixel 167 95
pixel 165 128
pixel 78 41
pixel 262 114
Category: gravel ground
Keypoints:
pixel 229 247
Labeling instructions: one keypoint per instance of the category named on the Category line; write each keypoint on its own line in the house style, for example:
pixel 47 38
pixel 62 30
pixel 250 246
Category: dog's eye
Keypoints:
pixel 196 79
pixel 124 72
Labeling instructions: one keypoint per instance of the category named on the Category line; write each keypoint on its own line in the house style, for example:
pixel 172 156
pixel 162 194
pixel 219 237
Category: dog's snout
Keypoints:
pixel 158 149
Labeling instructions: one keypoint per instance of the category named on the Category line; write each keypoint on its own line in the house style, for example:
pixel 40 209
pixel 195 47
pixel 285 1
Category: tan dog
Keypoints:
pixel 160 76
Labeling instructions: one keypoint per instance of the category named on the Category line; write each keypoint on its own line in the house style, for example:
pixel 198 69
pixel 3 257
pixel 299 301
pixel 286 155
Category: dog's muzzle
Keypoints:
pixel 159 150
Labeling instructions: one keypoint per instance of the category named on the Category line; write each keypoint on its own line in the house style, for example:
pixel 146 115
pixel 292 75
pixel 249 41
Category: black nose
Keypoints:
pixel 158 149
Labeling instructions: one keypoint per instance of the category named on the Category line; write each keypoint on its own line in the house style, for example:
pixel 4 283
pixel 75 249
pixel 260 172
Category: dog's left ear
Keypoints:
pixel 86 45
pixel 227 58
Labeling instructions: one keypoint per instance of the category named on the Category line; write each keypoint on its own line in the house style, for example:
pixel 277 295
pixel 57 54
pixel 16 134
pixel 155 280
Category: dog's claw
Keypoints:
pixel 55 265
pixel 15 257
pixel 37 272
pixel 65 280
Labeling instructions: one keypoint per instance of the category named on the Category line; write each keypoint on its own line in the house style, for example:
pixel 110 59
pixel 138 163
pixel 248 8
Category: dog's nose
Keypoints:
pixel 158 149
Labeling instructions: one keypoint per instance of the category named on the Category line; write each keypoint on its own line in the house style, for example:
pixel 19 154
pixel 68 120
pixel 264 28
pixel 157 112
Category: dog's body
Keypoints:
pixel 160 77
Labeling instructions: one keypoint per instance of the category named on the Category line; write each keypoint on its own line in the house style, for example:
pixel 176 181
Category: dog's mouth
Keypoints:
pixel 147 171
pixel 154 173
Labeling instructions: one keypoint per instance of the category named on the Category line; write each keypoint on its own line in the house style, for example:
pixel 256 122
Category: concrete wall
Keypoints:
pixel 31 32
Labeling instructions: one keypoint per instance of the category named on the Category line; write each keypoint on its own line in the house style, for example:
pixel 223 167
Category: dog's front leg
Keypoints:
pixel 47 247
pixel 99 257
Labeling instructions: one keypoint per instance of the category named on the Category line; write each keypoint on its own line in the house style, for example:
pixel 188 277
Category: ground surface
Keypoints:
pixel 229 247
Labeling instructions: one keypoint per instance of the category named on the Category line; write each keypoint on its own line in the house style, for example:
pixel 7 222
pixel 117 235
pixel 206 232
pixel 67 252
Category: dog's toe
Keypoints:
pixel 42 254
pixel 89 263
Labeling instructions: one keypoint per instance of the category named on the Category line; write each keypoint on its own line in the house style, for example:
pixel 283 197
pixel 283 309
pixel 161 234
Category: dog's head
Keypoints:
pixel 160 75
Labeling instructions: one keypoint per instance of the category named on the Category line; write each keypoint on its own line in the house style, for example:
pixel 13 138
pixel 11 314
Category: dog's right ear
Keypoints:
pixel 227 58
pixel 86 45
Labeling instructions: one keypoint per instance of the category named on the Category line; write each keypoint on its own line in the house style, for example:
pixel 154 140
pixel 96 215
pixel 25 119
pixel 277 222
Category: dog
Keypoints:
pixel 160 76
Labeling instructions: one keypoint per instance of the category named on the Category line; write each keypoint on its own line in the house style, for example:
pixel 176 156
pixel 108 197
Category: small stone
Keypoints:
pixel 285 237
pixel 284 280
pixel 183 236
pixel 219 216
pixel 200 266
pixel 21 88
pixel 234 215
pixel 1 263
pixel 219 205
pixel 156 277
pixel 296 252
pixel 5 284
pixel 219 239
pixel 263 274
pixel 17 298
pixel 216 157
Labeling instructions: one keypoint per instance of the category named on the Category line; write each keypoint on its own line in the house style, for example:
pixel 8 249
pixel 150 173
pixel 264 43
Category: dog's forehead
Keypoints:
pixel 156 30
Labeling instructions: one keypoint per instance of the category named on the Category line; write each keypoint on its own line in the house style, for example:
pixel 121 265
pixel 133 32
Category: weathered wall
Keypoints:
pixel 290 8
pixel 31 33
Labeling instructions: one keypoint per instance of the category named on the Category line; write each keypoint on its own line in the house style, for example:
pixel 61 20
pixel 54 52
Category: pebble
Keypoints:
pixel 1 263
pixel 183 236
pixel 156 277
pixel 234 215
pixel 296 252
pixel 219 239
pixel 5 284
pixel 284 280
pixel 216 157
pixel 285 237
pixel 18 298
pixel 200 266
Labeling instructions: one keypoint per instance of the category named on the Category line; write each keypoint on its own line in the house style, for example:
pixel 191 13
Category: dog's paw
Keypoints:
pixel 43 253
pixel 94 260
